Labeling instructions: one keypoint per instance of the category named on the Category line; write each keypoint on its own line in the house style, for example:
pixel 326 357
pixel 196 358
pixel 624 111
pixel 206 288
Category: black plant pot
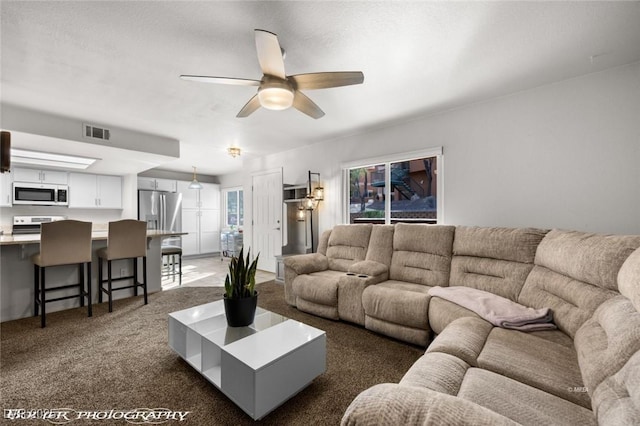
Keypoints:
pixel 241 312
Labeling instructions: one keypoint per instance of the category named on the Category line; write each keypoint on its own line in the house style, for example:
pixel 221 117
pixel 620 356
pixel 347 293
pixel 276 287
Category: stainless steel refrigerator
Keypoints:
pixel 162 210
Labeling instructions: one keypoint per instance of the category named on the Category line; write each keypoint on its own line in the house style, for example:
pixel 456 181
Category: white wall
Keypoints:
pixel 565 155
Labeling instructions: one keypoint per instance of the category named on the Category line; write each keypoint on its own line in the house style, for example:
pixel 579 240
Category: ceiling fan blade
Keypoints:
pixel 221 80
pixel 325 80
pixel 302 103
pixel 250 107
pixel 269 54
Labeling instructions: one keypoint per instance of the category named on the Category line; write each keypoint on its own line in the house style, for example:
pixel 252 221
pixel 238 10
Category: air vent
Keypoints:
pixel 94 132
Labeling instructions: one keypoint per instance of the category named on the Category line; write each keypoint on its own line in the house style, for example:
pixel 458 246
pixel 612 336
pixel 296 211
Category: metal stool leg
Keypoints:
pixel 180 265
pixel 81 282
pixel 144 274
pixel 89 308
pixel 43 301
pixel 135 276
pixel 36 290
pixel 100 280
pixel 109 285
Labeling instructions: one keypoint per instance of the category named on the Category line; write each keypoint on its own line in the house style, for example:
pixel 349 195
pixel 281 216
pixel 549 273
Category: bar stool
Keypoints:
pixel 126 239
pixel 170 252
pixel 65 242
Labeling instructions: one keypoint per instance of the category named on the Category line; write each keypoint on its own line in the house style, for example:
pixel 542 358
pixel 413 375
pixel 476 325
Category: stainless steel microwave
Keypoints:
pixel 40 194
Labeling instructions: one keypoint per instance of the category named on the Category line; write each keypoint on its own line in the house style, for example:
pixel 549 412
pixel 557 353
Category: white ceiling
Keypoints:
pixel 118 63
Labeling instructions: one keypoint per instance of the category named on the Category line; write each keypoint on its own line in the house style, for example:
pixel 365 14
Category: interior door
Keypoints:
pixel 267 218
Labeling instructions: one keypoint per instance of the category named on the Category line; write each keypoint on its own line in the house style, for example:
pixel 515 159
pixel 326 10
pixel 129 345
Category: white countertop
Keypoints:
pixel 6 240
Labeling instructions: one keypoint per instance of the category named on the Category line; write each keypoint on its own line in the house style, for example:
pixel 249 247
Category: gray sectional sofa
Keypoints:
pixel 587 371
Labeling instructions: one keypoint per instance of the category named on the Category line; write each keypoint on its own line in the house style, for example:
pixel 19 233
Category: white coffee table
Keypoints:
pixel 258 367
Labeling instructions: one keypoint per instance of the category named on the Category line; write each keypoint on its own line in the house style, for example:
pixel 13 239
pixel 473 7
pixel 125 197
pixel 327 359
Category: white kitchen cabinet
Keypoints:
pixel 166 185
pixel 209 231
pixel 5 190
pixel 191 241
pixel 200 218
pixel 40 176
pixel 109 192
pixel 154 184
pixel 189 196
pixel 95 191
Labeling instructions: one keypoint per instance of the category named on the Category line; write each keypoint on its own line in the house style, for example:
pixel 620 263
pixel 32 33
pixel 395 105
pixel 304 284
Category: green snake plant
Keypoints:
pixel 241 278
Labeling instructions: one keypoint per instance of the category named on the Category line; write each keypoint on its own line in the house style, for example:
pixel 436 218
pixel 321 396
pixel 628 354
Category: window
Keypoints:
pixel 233 208
pixel 402 188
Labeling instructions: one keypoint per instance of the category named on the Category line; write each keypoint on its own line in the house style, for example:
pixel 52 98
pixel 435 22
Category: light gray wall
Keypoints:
pixel 565 155
pixel 45 124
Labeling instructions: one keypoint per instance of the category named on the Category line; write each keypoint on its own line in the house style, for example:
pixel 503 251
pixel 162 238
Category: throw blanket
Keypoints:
pixel 498 310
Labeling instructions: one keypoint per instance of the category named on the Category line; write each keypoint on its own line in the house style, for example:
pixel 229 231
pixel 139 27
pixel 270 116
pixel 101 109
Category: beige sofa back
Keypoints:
pixel 347 245
pixel 422 254
pixel 608 347
pixel 574 273
pixel 497 260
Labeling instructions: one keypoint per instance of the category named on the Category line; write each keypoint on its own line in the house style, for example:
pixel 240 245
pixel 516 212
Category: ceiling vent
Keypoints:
pixel 94 132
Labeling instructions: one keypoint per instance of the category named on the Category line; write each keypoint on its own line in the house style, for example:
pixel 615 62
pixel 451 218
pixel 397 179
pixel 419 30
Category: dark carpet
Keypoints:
pixel 122 361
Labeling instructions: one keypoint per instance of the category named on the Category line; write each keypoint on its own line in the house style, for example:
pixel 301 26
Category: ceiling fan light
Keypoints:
pixel 276 98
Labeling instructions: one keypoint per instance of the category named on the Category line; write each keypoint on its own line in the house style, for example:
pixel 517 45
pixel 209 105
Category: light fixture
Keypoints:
pixel 301 214
pixel 309 202
pixel 194 183
pixel 318 193
pixel 37 158
pixel 275 94
pixel 234 151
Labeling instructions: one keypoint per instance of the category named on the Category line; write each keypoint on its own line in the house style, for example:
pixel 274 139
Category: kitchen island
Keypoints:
pixel 16 272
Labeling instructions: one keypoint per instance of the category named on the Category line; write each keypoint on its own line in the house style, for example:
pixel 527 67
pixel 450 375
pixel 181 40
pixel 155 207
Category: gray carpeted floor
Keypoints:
pixel 122 361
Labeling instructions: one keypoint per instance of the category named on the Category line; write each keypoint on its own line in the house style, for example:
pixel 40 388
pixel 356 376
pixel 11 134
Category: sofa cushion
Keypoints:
pixel 607 340
pixel 497 260
pixel 417 336
pixel 393 404
pixel 464 338
pixel 347 244
pixel 592 258
pixel 520 402
pixel 511 244
pixel 422 254
pixel 318 287
pixel 437 371
pixel 381 244
pixel 629 277
pixel 501 277
pixel 442 313
pixel 616 400
pixel 398 302
pixel 536 362
pixel 575 272
pixel 307 263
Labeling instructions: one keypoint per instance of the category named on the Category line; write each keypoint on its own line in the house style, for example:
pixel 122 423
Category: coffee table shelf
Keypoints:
pixel 258 367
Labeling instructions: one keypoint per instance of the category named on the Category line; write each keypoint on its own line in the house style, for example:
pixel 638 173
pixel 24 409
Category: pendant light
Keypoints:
pixel 195 184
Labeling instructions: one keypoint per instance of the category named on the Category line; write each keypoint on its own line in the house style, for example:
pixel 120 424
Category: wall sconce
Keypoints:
pixel 301 214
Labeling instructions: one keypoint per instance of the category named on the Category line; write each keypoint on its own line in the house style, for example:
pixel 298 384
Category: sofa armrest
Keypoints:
pixel 307 263
pixel 369 267
pixel 393 404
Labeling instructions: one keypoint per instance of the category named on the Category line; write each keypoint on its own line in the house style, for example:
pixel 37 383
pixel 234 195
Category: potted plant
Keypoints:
pixel 240 298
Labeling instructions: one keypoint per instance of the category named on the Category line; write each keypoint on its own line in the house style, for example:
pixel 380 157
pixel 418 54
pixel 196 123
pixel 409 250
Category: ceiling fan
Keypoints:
pixel 278 91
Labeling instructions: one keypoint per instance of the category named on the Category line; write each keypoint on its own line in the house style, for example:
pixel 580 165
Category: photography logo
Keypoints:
pixel 60 416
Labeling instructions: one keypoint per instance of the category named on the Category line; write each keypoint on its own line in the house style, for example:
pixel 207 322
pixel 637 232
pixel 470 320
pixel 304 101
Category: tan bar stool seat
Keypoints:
pixel 126 239
pixel 65 242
